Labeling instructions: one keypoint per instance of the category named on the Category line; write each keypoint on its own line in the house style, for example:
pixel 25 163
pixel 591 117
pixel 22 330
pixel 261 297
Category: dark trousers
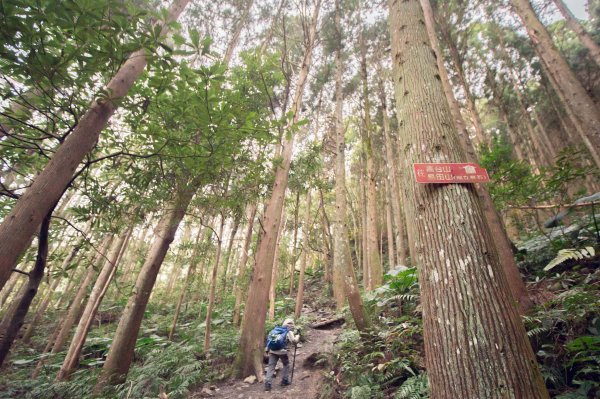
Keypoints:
pixel 273 359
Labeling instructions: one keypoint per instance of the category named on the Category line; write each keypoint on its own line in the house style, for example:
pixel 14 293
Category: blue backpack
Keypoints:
pixel 277 338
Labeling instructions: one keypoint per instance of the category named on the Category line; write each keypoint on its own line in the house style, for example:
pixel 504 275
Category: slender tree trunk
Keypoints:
pixel 341 248
pixel 468 312
pixel 9 288
pixel 502 115
pixel 251 341
pixel 175 271
pixel 543 150
pixel 398 214
pixel 134 253
pixel 213 287
pixel 470 101
pixel 305 239
pixel 267 40
pixel 389 224
pixel 27 214
pixel 13 320
pixel 363 210
pixel 45 302
pixel 326 250
pixel 238 286
pixel 120 355
pixel 582 34
pixel 275 271
pixel 91 308
pixel 57 327
pixel 237 32
pixel 295 246
pixel 572 92
pixel 236 225
pixel 494 222
pixel 190 272
pixel 76 305
pixel 375 269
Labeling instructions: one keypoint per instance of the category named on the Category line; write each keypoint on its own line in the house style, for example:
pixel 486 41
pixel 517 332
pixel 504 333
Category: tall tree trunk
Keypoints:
pixel 468 312
pixel 275 271
pixel 238 286
pixel 305 239
pixel 77 303
pixel 13 320
pixel 229 252
pixel 27 214
pixel 175 271
pixel 460 72
pixel 494 222
pixel 389 224
pixel 543 150
pixel 398 214
pixel 497 99
pixel 213 287
pixel 582 34
pixel 295 245
pixel 341 248
pixel 565 82
pixel 235 38
pixel 41 309
pixel 120 355
pixel 327 241
pixel 251 341
pixel 190 272
pixel 46 302
pixel 269 35
pixel 375 269
pixel 91 308
pixel 59 321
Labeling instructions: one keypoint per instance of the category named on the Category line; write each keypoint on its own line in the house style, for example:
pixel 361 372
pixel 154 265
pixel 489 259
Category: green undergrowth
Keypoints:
pixel 176 367
pixel 386 362
pixel 565 333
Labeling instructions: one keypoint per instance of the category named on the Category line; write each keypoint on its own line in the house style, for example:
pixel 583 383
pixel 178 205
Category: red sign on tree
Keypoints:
pixel 450 173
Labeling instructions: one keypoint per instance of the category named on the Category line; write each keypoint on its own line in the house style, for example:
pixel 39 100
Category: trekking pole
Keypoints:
pixel 293 363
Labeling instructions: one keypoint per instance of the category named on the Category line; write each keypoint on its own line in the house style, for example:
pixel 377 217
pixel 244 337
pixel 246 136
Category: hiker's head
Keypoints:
pixel 289 323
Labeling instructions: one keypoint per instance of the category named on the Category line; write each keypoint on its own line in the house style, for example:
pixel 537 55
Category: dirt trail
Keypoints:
pixel 307 378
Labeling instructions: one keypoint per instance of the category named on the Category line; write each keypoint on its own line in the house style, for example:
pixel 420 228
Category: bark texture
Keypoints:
pixel 468 312
pixel 494 222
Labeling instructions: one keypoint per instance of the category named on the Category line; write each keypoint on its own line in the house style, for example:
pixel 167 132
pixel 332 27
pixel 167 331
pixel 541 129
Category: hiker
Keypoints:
pixel 277 342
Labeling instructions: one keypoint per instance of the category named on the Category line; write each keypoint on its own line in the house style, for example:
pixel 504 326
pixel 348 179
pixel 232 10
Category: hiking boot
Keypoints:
pixel 285 383
pixel 267 386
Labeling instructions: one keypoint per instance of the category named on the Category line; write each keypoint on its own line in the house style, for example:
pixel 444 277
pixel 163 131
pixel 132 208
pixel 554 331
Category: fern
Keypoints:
pixel 414 388
pixel 536 331
pixel 570 254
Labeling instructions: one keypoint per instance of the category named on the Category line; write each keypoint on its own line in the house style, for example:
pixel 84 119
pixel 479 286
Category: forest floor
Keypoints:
pixel 308 376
